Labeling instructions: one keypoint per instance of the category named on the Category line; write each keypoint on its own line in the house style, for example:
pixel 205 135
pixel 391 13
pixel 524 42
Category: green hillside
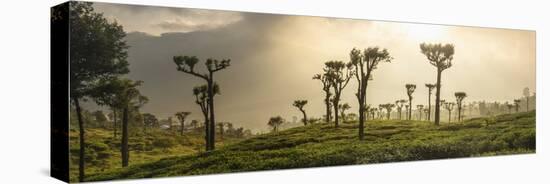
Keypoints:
pixel 103 150
pixel 323 145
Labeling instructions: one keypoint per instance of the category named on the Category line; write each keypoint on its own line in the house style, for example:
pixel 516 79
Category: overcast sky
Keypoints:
pixel 275 56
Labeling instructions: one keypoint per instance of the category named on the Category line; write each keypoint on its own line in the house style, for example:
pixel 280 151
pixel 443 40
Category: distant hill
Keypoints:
pixel 323 145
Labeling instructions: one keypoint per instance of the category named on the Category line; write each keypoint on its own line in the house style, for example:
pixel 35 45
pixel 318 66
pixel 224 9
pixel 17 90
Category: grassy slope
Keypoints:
pixel 103 151
pixel 323 145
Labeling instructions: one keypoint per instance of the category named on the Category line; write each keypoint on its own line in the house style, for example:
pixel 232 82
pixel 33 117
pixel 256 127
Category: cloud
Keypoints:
pixel 157 20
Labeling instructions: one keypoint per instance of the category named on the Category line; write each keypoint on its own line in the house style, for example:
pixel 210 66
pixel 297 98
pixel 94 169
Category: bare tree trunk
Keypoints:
pixel 115 127
pixel 437 97
pixel 410 108
pixel 305 117
pixel 82 142
pixel 212 138
pixel 182 126
pixel 327 103
pixel 449 116
pixel 429 104
pixel 124 142
pixel 335 105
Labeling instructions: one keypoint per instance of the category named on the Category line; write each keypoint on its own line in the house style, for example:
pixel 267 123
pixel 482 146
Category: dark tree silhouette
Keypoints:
pixel 201 99
pixel 516 103
pixel 186 64
pixel 326 88
pixel 441 57
pixel 343 108
pixel 420 108
pixel 399 104
pixel 430 88
pixel 410 90
pixel 149 120
pixel 339 74
pixel 526 94
pixel 300 105
pixel 389 107
pixel 459 98
pixel 364 64
pixel 220 127
pixel 449 106
pixel 97 51
pixel 181 118
pixel 275 122
pixel 129 98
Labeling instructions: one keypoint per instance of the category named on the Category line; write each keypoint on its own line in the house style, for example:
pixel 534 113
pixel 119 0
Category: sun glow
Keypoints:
pixel 425 32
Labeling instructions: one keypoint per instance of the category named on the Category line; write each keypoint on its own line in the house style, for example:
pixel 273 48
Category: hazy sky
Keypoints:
pixel 275 56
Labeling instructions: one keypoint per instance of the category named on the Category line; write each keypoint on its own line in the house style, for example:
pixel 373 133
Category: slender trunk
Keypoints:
pixel 335 105
pixel 327 104
pixel 115 127
pixel 460 113
pixel 420 114
pixel 410 108
pixel 429 104
pixel 207 130
pixel 124 142
pixel 182 126
pixel 388 115
pixel 305 117
pixel 82 142
pixel 211 110
pixel 362 107
pixel 437 97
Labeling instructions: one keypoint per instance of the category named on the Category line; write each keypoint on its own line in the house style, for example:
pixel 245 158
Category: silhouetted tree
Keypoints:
pixel 420 108
pixel 441 57
pixel 516 103
pixel 389 107
pixel 201 99
pixel 220 127
pixel 364 64
pixel 181 118
pixel 430 88
pixel 526 94
pixel 129 98
pixel 149 120
pixel 459 98
pixel 186 64
pixel 275 122
pixel 339 74
pixel 97 51
pixel 407 107
pixel 300 105
pixel 449 106
pixel 343 108
pixel 399 104
pixel 326 88
pixel 410 90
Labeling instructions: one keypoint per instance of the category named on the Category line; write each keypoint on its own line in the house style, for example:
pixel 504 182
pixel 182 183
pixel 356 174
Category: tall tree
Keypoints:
pixel 459 98
pixel 399 104
pixel 343 108
pixel 201 99
pixel 420 108
pixel 364 65
pixel 410 90
pixel 300 105
pixel 275 122
pixel 186 64
pixel 149 120
pixel 97 50
pixel 181 118
pixel 339 74
pixel 516 104
pixel 440 56
pixel 326 88
pixel 389 107
pixel 526 94
pixel 449 106
pixel 129 98
pixel 430 88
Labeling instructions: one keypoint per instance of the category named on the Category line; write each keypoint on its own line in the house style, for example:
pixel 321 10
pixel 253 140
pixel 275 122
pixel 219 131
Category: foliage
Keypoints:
pixel 322 145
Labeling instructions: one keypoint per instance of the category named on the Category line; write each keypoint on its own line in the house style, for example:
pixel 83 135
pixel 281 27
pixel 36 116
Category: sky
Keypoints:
pixel 273 58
